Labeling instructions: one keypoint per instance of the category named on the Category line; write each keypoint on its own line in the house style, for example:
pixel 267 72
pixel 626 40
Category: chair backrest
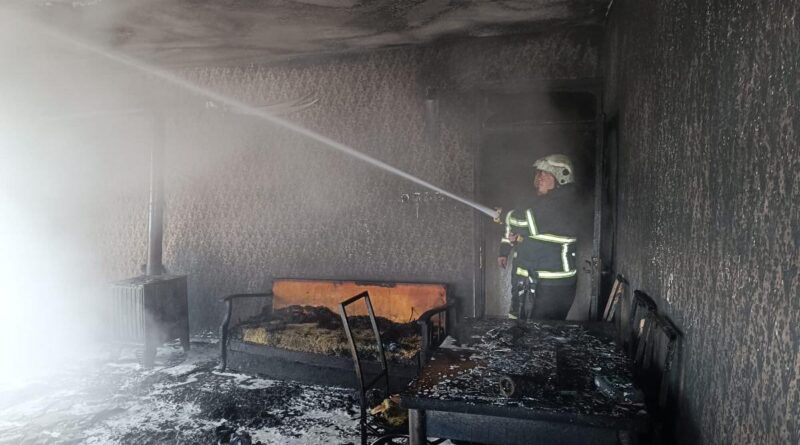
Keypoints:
pixel 670 382
pixel 643 311
pixel 617 291
pixel 622 319
pixel 364 385
pixel 661 353
pixel 656 372
pixel 656 343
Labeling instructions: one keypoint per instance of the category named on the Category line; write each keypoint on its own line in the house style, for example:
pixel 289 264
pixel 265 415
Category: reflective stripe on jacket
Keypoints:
pixel 549 245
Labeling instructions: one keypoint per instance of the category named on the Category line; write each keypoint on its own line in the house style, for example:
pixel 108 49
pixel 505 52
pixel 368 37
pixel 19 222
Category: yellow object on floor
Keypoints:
pixel 391 412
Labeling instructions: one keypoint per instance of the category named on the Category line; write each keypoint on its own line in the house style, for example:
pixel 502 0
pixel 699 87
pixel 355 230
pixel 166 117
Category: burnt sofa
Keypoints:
pixel 243 347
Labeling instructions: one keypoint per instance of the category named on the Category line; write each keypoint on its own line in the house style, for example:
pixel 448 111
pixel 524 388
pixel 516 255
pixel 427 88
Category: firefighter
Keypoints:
pixel 541 239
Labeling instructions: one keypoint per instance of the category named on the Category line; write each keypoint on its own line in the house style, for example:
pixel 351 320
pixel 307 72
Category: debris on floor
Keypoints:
pixel 182 400
pixel 549 366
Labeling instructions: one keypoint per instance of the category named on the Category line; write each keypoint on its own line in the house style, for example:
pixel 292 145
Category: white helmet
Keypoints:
pixel 559 166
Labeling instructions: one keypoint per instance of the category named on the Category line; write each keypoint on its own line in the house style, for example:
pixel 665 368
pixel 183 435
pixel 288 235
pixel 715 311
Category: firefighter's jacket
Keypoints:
pixel 549 227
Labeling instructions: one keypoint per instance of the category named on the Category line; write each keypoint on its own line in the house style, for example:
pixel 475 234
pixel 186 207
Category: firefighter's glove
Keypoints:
pixel 515 238
pixel 498 215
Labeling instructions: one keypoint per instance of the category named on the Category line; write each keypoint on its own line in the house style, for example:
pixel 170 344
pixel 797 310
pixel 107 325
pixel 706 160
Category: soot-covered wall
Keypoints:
pixel 706 95
pixel 246 203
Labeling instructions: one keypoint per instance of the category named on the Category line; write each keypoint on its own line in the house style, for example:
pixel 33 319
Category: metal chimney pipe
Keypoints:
pixel 156 221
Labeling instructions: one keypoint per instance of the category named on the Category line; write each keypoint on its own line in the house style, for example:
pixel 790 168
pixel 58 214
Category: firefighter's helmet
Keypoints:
pixel 559 166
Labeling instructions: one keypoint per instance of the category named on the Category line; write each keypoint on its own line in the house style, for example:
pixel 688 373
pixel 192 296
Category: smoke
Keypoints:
pixel 75 142
pixel 74 146
pixel 38 274
pixel 60 172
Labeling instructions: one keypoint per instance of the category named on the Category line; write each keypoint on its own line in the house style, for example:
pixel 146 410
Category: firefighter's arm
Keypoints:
pixel 507 242
pixel 516 230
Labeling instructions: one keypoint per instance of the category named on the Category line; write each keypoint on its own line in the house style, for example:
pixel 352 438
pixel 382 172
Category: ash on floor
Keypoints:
pixel 182 400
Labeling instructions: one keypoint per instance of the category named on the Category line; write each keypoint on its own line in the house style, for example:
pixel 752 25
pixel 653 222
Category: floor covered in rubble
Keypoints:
pixel 110 399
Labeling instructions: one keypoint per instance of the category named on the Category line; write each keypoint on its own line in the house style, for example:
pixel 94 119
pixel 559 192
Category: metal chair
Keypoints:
pixel 655 360
pixel 656 343
pixel 366 428
pixel 428 329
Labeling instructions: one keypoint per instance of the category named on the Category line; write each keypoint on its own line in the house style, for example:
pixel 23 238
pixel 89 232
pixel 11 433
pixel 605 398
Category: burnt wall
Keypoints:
pixel 706 96
pixel 247 202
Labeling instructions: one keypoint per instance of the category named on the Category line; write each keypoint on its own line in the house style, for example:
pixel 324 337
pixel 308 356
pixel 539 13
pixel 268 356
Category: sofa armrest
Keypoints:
pixel 223 329
pixel 428 332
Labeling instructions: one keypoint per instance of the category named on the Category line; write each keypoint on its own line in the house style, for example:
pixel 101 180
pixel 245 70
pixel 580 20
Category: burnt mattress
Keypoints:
pixel 318 330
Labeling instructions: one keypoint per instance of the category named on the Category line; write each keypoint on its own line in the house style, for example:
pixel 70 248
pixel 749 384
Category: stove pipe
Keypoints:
pixel 156 220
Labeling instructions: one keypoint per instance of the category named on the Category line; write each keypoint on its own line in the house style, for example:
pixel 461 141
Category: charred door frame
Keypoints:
pixel 590 86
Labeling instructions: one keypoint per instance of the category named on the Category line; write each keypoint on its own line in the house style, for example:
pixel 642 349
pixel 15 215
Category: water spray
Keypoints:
pixel 264 115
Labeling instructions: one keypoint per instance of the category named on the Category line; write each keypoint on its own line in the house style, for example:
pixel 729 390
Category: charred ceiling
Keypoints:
pixel 196 32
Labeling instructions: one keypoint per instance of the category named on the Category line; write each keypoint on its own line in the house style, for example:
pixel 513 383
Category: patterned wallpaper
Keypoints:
pixel 247 202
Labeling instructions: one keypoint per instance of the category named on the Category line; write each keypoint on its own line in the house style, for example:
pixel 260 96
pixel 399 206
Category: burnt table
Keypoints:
pixel 522 383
